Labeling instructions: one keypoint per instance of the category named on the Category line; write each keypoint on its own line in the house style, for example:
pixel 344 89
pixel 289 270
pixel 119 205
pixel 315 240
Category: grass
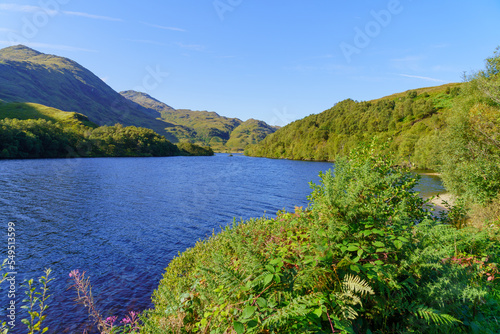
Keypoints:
pixel 24 111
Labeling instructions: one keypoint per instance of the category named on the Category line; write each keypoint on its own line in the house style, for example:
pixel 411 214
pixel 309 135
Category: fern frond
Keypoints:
pixel 431 315
pixel 356 285
pixel 298 307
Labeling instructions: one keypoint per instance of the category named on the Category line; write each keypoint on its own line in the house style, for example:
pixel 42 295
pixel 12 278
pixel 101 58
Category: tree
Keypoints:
pixel 471 154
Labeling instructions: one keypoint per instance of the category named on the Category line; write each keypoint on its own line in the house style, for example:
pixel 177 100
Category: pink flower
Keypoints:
pixel 74 273
pixel 111 320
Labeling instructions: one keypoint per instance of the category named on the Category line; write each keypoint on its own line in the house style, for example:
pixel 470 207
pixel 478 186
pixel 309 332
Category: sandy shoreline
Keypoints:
pixel 437 202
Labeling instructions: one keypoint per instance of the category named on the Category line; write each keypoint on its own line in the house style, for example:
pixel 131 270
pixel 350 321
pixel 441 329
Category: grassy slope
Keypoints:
pixel 24 111
pixel 409 124
pixel 203 127
pixel 199 126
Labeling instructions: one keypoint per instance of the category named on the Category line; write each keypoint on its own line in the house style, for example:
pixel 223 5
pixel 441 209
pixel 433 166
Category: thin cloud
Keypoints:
pixel 50 46
pixel 92 16
pixel 163 27
pixel 422 78
pixel 11 7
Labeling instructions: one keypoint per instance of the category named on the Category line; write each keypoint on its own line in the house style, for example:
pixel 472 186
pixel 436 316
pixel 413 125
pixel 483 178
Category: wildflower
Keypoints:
pixel 111 320
pixel 74 273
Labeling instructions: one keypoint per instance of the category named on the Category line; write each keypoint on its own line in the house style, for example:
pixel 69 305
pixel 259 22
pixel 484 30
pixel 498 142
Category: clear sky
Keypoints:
pixel 273 60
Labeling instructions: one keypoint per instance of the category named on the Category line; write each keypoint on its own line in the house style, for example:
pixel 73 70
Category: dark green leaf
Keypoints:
pixel 252 323
pixel 238 327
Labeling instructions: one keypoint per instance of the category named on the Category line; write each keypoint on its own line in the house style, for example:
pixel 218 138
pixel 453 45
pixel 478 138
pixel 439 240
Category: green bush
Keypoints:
pixel 365 257
pixel 471 154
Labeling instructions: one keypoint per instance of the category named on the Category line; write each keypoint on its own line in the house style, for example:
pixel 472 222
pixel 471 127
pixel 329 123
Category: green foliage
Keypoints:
pixel 40 138
pixel 247 133
pixel 192 149
pixel 411 122
pixel 471 154
pixel 45 139
pixel 37 303
pixel 365 257
pixel 3 325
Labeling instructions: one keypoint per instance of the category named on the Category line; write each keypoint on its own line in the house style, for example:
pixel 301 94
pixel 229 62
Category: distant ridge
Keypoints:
pixel 205 127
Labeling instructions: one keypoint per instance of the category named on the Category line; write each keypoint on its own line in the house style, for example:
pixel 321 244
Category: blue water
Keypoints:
pixel 121 220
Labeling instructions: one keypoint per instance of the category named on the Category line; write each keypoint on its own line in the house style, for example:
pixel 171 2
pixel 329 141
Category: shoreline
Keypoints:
pixel 436 202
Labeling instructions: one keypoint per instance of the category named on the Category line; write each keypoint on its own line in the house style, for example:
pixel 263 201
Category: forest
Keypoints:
pixel 411 122
pixel 43 138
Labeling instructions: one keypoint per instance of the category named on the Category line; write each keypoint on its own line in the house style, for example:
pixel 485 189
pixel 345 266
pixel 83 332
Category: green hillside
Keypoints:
pixel 250 132
pixel 204 127
pixel 24 111
pixel 411 122
pixel 31 130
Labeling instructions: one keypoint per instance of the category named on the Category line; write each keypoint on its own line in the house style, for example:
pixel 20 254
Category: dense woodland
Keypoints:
pixel 411 122
pixel 50 133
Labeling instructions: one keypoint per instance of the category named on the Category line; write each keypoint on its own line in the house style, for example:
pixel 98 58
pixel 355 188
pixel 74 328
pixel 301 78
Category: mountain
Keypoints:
pixel 411 123
pixel 250 132
pixel 204 127
pixel 27 75
pixel 30 76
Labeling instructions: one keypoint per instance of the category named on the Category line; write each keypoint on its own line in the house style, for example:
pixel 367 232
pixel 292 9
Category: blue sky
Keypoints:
pixel 277 60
